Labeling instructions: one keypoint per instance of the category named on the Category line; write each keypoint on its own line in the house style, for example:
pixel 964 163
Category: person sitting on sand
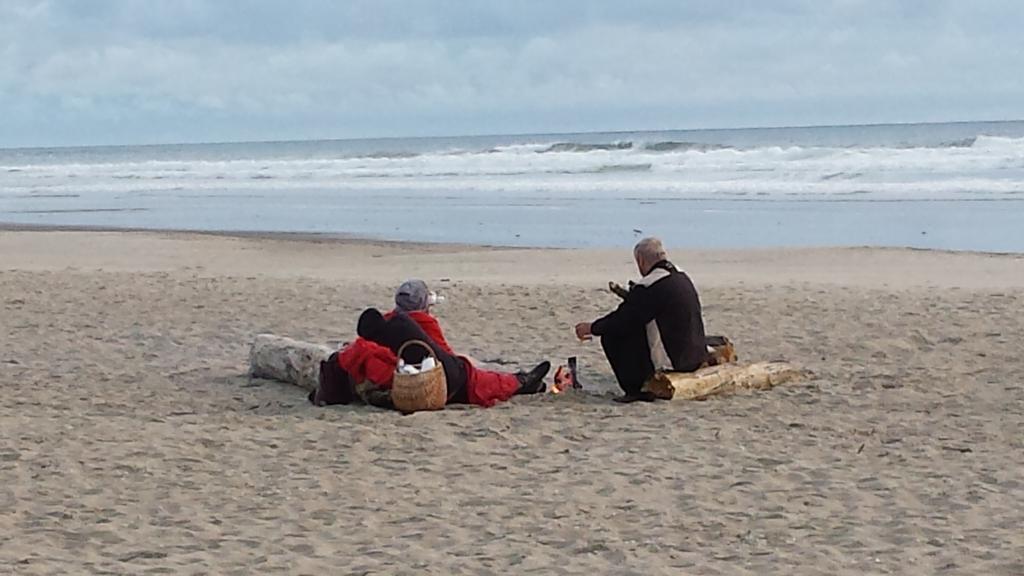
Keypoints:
pixel 414 298
pixel 411 320
pixel 658 326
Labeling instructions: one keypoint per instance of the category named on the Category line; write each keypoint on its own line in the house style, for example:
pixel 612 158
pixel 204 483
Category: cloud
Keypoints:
pixel 213 70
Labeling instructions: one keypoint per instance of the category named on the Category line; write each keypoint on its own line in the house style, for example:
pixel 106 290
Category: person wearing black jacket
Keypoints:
pixel 658 326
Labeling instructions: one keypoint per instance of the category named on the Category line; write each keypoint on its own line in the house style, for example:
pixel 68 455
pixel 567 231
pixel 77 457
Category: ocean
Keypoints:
pixel 957 186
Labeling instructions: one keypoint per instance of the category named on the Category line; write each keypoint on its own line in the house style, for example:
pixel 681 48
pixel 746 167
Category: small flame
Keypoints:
pixel 563 380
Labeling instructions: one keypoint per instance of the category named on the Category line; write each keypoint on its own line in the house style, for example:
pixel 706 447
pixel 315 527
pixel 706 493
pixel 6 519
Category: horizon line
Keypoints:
pixel 506 134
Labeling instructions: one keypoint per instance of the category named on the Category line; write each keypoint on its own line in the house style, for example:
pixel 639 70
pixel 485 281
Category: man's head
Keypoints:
pixel 647 253
pixel 412 296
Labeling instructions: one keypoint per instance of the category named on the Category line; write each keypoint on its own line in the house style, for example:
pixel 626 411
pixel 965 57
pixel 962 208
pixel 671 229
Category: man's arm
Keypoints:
pixel 635 311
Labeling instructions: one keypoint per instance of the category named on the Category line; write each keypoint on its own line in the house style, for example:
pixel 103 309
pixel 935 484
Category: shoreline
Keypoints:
pixel 356 240
pixel 311 237
pixel 348 259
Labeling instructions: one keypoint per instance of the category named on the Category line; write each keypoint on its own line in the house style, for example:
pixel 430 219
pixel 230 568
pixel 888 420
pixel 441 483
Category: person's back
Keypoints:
pixel 677 326
pixel 658 326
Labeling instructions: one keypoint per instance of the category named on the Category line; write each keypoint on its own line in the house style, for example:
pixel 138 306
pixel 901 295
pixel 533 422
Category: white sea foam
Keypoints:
pixel 990 167
pixel 727 188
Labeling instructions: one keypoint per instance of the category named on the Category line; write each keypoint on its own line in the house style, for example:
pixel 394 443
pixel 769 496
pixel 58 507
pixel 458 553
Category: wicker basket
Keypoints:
pixel 423 391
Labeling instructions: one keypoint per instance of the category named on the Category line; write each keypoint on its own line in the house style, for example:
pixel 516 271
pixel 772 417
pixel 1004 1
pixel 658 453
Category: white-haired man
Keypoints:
pixel 658 326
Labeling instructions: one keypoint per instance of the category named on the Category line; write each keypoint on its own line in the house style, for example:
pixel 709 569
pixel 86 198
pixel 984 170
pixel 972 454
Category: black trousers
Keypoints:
pixel 335 386
pixel 630 358
pixel 398 330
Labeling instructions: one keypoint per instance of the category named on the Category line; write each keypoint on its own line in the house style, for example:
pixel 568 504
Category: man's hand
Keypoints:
pixel 583 331
pixel 618 290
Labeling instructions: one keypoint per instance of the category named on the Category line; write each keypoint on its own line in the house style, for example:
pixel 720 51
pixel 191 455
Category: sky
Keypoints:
pixel 82 72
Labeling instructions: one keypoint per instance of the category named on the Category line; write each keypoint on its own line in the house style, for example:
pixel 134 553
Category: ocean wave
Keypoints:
pixel 656 146
pixel 607 168
pixel 992 165
pixel 565 157
pixel 961 143
pixel 389 155
pixel 980 141
pixel 584 147
pixel 999 142
pixel 673 146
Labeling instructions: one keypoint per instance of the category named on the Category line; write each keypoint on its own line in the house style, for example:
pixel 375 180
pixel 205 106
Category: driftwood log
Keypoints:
pixel 298 363
pixel 723 379
pixel 286 360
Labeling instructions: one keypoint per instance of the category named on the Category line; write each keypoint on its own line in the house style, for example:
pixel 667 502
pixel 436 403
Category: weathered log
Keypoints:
pixel 287 360
pixel 723 379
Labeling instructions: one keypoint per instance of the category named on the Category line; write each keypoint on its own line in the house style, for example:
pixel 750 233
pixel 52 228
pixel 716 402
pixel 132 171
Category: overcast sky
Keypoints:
pixel 146 71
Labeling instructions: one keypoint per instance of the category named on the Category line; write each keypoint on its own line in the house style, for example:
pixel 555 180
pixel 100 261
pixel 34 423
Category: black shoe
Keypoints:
pixel 635 397
pixel 532 382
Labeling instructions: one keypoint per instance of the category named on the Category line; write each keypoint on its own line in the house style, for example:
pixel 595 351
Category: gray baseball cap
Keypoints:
pixel 412 295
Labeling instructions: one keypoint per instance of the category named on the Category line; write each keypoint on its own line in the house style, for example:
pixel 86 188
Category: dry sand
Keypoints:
pixel 132 441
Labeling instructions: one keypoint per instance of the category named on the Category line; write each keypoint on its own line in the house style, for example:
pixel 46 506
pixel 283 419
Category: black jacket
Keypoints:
pixel 664 305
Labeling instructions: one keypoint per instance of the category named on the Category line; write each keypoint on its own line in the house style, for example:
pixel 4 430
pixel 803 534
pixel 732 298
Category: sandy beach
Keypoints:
pixel 132 440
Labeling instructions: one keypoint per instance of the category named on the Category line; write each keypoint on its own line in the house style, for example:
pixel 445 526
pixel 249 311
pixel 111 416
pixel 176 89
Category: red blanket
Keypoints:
pixel 364 360
pixel 486 387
